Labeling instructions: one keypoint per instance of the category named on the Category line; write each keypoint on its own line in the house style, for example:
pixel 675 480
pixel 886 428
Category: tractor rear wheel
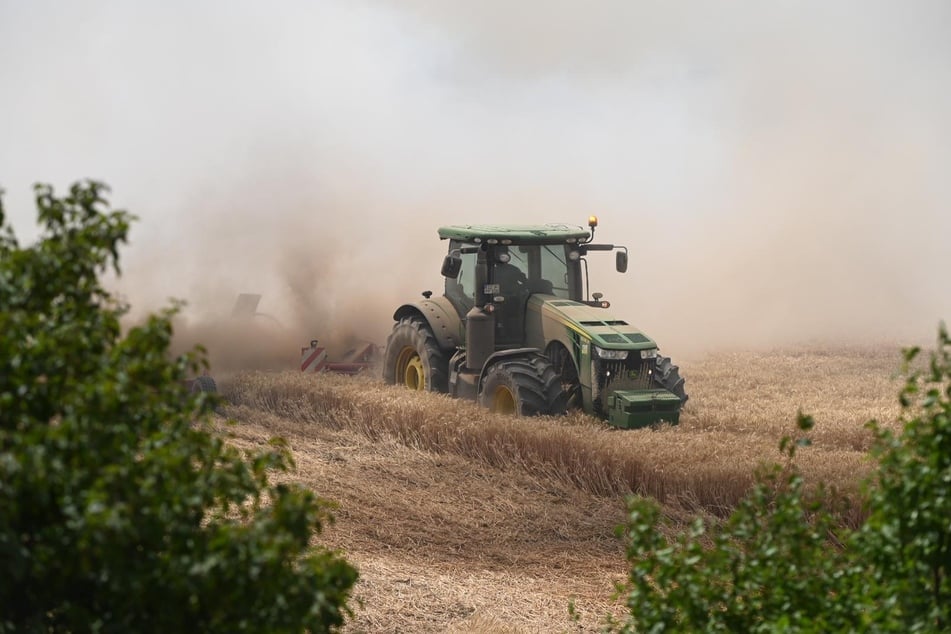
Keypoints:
pixel 667 375
pixel 523 386
pixel 413 357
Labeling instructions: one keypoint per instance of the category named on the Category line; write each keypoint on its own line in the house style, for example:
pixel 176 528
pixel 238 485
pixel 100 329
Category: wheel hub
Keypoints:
pixel 503 401
pixel 409 367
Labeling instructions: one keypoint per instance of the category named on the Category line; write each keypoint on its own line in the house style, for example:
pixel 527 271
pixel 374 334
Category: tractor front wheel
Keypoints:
pixel 523 386
pixel 667 375
pixel 565 367
pixel 413 357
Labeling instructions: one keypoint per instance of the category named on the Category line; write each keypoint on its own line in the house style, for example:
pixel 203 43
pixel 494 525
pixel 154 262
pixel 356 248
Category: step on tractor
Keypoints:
pixel 518 330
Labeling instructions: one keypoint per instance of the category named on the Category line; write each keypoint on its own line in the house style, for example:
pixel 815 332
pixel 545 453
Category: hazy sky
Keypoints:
pixel 778 169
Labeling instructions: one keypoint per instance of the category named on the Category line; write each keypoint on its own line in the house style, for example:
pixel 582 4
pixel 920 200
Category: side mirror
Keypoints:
pixel 621 261
pixel 451 266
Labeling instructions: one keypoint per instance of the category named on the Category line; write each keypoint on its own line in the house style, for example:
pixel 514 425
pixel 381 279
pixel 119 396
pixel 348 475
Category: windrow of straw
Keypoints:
pixel 705 463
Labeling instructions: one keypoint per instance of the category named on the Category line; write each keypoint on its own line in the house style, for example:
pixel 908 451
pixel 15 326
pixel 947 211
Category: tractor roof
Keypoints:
pixel 518 234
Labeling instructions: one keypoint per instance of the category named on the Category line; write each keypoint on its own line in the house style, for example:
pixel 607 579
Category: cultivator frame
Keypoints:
pixel 314 359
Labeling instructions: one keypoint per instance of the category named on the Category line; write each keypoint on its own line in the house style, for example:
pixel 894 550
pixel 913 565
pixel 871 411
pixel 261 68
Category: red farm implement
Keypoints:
pixel 313 358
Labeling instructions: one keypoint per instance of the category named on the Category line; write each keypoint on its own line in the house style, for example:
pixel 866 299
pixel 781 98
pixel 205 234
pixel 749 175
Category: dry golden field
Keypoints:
pixel 464 521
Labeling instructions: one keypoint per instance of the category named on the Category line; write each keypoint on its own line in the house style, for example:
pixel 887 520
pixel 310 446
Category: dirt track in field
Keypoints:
pixel 463 521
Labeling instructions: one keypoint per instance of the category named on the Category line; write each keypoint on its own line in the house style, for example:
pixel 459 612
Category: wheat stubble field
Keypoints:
pixel 464 521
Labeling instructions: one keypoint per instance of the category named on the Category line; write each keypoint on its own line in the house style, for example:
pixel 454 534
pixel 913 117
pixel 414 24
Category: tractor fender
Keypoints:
pixel 441 317
pixel 514 352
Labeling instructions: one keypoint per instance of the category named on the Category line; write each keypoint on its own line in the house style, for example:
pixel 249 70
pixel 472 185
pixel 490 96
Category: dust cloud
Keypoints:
pixel 777 170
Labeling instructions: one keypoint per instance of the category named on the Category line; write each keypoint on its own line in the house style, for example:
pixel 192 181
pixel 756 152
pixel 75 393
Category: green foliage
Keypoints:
pixel 908 533
pixel 761 572
pixel 780 564
pixel 120 510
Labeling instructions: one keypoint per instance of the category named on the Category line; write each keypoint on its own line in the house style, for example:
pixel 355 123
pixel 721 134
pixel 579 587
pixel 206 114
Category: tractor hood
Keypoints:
pixel 595 324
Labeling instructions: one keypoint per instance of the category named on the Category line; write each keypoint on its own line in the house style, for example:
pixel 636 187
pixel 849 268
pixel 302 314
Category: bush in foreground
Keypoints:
pixel 119 509
pixel 780 564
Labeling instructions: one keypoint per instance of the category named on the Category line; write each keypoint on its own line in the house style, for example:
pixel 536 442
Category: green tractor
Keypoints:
pixel 517 330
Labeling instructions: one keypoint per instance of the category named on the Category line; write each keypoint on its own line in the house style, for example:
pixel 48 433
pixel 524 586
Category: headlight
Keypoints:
pixel 613 355
pixel 649 354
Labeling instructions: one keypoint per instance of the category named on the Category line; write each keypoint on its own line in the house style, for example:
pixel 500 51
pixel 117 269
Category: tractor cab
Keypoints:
pixel 498 268
pixel 503 276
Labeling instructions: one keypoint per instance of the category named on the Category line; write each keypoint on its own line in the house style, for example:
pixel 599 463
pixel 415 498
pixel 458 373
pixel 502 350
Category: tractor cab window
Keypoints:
pixel 510 270
pixel 509 274
pixel 537 269
pixel 554 268
pixel 461 291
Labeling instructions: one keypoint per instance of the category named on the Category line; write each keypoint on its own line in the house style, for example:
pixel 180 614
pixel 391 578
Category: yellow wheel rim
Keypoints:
pixel 503 401
pixel 409 368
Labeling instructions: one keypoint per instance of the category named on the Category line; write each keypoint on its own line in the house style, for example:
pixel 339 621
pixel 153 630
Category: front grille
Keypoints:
pixel 632 373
